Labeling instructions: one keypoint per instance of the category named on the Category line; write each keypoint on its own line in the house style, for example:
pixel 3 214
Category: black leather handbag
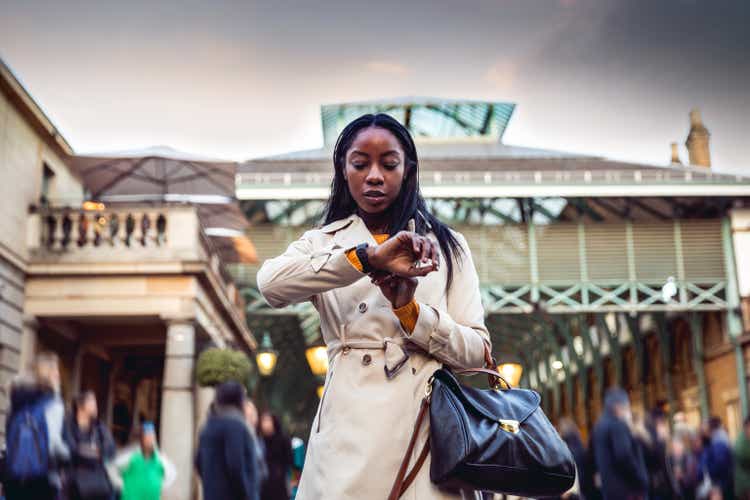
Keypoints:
pixel 496 440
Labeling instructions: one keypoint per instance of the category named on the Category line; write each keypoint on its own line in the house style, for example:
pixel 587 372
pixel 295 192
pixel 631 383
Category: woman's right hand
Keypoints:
pixel 400 254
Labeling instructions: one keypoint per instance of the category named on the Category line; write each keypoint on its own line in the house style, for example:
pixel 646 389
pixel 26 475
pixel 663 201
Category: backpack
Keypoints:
pixel 27 443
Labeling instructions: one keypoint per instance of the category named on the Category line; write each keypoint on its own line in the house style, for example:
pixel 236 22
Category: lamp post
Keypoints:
pixel 266 357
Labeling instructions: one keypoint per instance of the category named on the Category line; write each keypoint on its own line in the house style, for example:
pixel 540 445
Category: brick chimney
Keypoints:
pixel 697 141
pixel 675 154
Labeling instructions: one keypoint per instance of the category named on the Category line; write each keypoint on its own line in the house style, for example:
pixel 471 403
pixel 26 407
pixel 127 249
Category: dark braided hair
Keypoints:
pixel 409 203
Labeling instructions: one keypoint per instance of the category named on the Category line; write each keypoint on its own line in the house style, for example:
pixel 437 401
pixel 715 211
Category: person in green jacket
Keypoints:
pixel 145 471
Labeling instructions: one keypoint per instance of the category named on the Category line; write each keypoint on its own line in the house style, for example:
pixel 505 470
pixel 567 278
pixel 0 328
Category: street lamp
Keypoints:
pixel 266 357
pixel 511 372
pixel 317 358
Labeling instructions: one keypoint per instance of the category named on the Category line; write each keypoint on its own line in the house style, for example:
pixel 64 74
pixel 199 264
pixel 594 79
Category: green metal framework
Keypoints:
pixel 425 117
pixel 551 292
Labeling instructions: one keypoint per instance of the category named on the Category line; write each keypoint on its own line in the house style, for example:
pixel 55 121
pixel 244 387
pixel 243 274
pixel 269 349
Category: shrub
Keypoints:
pixel 216 366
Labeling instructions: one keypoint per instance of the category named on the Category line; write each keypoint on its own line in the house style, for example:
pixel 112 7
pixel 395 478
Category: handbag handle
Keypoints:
pixel 494 378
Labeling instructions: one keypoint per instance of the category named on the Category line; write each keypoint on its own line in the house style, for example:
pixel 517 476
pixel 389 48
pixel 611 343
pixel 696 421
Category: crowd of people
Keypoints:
pixel 54 454
pixel 649 457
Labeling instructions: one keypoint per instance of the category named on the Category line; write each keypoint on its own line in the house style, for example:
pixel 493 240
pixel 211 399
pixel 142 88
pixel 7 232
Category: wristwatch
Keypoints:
pixel 361 252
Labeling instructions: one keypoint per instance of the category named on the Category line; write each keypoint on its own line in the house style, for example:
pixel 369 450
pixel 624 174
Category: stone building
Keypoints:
pixel 126 285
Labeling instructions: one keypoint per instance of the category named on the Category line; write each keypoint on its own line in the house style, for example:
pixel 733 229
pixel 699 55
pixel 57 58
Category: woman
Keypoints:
pixel 386 335
pixel 278 458
pixel 91 446
pixel 251 417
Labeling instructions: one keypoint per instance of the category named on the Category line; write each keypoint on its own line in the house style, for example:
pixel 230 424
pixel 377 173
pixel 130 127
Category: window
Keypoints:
pixel 48 177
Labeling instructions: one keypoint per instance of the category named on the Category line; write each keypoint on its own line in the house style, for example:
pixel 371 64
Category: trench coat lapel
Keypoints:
pixel 352 233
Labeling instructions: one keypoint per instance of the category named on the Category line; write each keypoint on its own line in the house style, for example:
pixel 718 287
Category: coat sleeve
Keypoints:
pixel 458 335
pixel 54 416
pixel 240 461
pixel 626 453
pixel 170 471
pixel 302 272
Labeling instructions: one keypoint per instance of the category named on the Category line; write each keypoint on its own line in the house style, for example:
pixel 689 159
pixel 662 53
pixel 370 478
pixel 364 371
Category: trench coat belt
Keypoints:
pixel 395 352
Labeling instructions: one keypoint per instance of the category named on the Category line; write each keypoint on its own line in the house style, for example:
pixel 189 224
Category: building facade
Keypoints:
pixel 125 288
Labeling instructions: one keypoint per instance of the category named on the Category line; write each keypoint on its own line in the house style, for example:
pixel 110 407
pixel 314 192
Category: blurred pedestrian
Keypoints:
pixel 584 468
pixel 251 416
pixel 742 463
pixel 655 447
pixel 278 458
pixel 91 446
pixel 619 458
pixel 36 449
pixel 144 471
pixel 226 458
pixel 717 458
pixel 684 467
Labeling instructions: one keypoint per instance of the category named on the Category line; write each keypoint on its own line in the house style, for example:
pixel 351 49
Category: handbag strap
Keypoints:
pixel 403 480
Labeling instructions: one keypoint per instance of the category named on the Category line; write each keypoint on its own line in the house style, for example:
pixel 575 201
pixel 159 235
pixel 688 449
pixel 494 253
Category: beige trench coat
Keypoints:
pixel 365 419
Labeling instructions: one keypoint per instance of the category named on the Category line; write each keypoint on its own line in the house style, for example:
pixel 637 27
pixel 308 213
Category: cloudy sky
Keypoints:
pixel 240 78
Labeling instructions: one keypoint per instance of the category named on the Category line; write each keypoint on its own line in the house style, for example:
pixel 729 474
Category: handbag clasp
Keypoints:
pixel 511 426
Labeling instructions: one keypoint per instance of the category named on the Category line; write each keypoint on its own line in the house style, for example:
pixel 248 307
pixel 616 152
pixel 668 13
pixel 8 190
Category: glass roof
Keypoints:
pixel 426 117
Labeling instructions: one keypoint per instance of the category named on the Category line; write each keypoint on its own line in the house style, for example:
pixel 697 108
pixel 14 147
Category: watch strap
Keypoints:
pixel 361 252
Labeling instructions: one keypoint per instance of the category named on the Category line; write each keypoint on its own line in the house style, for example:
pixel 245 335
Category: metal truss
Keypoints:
pixel 590 297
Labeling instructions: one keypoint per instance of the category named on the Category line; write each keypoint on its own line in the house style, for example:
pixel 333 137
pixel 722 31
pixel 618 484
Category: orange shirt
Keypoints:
pixel 406 314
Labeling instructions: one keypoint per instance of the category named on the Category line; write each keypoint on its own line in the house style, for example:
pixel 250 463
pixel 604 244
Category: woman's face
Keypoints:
pixel 90 407
pixel 251 414
pixel 374 169
pixel 266 425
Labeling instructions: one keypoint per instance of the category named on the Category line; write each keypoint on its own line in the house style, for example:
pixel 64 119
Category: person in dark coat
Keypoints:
pixel 584 466
pixel 41 388
pixel 278 458
pixel 619 458
pixel 226 460
pixel 718 459
pixel 91 446
pixel 661 482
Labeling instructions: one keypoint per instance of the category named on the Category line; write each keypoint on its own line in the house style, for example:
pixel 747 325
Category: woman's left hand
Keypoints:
pixel 398 290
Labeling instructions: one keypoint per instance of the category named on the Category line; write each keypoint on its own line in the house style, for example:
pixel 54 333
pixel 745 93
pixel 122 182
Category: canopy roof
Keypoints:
pixel 163 175
pixel 155 171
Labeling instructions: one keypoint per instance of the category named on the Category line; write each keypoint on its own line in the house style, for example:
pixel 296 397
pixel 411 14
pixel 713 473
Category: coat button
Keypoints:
pixel 362 307
pixel 366 359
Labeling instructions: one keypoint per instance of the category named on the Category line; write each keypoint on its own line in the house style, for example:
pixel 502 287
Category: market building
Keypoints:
pixel 594 272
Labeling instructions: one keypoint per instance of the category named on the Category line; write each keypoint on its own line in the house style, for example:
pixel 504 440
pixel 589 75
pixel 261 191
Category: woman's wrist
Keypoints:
pixel 372 257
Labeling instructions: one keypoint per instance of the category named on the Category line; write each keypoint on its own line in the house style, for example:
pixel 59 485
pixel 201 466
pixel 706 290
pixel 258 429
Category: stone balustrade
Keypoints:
pixel 126 237
pixel 65 229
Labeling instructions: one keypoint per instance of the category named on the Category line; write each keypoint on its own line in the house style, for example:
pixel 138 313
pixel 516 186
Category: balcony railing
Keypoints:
pixel 63 229
pixel 128 234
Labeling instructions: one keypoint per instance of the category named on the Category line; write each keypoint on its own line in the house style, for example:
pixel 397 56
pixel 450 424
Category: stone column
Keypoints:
pixel 177 406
